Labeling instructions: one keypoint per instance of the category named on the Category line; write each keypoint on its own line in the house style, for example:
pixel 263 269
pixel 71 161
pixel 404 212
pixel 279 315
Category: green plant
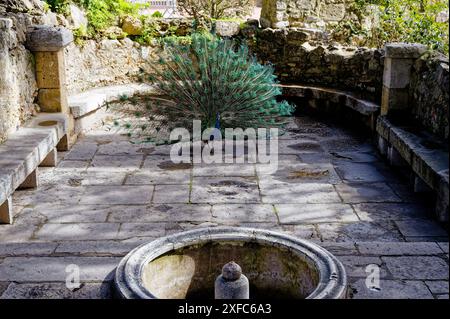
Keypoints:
pixel 398 20
pixel 215 9
pixel 211 78
pixel 157 14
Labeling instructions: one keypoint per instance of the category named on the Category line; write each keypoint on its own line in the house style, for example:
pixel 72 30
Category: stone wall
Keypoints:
pixel 105 62
pixel 17 81
pixel 303 13
pixel 303 57
pixel 429 90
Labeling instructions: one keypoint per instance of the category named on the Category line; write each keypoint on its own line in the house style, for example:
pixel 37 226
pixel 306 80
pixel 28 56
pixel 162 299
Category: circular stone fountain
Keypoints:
pixel 185 266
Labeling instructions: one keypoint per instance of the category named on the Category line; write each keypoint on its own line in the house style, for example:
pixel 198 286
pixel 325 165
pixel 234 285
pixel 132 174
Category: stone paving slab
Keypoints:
pixel 171 194
pixel 232 190
pixel 117 195
pixel 235 214
pixel 315 213
pixel 417 267
pixel 45 269
pixel 160 213
pixel 53 290
pixel 366 193
pixel 77 232
pixel 391 289
pixel 298 193
pixel 438 287
pixel 399 249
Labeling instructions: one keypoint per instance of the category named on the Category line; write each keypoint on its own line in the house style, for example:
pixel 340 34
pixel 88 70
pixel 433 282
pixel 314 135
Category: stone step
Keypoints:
pixel 26 149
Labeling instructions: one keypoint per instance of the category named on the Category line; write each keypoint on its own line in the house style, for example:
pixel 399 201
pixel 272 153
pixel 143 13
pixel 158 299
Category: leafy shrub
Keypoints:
pixel 399 20
pixel 211 78
pixel 157 14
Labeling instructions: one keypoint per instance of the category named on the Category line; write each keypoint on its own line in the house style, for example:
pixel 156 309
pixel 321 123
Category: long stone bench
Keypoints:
pixel 83 106
pixel 365 108
pixel 31 146
pixel 426 155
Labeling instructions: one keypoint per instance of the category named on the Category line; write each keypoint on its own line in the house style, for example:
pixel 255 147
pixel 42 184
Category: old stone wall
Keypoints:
pixel 429 90
pixel 17 81
pixel 303 13
pixel 105 62
pixel 304 57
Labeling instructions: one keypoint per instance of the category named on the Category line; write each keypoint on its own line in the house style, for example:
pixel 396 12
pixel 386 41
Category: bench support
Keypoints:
pixel 31 181
pixel 51 160
pixel 6 216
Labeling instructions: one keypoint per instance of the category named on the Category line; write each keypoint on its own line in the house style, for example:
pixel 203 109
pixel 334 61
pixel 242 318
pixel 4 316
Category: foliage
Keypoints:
pixel 101 14
pixel 211 78
pixel 399 20
pixel 215 9
pixel 157 14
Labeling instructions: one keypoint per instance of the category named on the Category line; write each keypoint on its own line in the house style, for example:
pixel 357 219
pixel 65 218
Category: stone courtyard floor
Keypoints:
pixel 106 196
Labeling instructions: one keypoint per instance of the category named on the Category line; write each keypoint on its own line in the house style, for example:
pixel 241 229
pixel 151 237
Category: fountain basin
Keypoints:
pixel 185 266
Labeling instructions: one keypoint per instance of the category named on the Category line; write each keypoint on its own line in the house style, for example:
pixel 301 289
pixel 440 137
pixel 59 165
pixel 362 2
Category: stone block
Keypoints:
pixel 394 157
pixel 394 100
pixel 51 159
pixel 50 69
pixel 227 28
pixel 48 38
pixel 382 146
pixel 399 50
pixel 442 201
pixel 397 73
pixel 31 181
pixel 52 100
pixel 332 11
pixel 6 211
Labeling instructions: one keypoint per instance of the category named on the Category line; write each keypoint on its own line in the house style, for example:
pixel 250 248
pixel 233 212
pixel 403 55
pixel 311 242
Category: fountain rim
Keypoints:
pixel 129 273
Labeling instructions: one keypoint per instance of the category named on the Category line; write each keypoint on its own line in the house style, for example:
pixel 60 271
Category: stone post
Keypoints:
pixel 48 43
pixel 399 59
pixel 273 14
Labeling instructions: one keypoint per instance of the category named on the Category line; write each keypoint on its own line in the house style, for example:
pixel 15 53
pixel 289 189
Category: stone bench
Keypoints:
pixel 83 106
pixel 427 156
pixel 31 146
pixel 365 108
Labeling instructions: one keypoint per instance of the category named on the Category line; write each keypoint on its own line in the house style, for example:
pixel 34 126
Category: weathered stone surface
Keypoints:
pixel 227 28
pixel 147 230
pixel 421 268
pixel 48 38
pixel 95 248
pixel 362 232
pixel 422 228
pixel 356 172
pixel 44 269
pixel 369 193
pixel 297 193
pixel 391 289
pixel 235 214
pixel 438 287
pixel 26 249
pixel 132 25
pixel 160 213
pixel 125 195
pixel 401 50
pixel 171 194
pixel 355 266
pixel 232 190
pixel 77 232
pixel 315 213
pixel 395 211
pixel 144 177
pixel 398 249
pixel 125 163
pixel 57 291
